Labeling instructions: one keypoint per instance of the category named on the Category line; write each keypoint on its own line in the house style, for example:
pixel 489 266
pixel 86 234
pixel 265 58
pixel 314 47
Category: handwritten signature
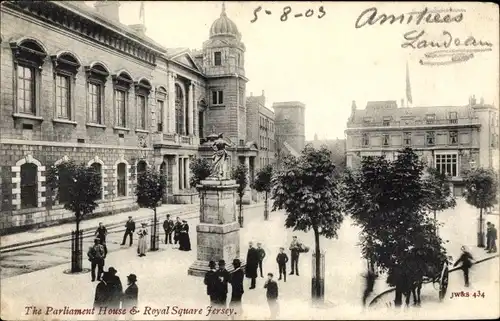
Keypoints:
pixel 450 49
pixel 288 11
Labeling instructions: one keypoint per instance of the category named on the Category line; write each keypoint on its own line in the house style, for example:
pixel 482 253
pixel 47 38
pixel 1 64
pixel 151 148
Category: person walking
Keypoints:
pixel 370 278
pixel 184 240
pixel 129 231
pixel 210 280
pixel 467 260
pixel 236 281
pixel 177 229
pixel 488 236
pixel 282 260
pixel 222 279
pixel 102 296
pixel 116 288
pixel 96 256
pixel 131 294
pixel 493 239
pixel 262 255
pixel 272 295
pixel 295 247
pixel 252 264
pixel 101 232
pixel 168 227
pixel 142 245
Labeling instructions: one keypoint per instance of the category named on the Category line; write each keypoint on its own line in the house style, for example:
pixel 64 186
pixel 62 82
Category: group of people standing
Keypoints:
pixel 109 292
pixel 491 238
pixel 180 230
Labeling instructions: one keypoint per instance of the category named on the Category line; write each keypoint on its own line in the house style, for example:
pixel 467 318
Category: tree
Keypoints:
pixel 307 189
pixel 263 184
pixel 240 175
pixel 440 195
pixel 389 201
pixel 200 169
pixel 81 187
pixel 150 189
pixel 481 191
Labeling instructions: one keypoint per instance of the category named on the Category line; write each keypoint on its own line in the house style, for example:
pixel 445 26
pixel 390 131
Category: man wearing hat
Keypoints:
pixel 96 255
pixel 116 289
pixel 210 280
pixel 129 230
pixel 237 286
pixel 130 297
pixel 221 284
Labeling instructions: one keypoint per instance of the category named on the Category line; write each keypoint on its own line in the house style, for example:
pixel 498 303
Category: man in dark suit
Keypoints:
pixel 168 227
pixel 282 260
pixel 237 286
pixel 222 279
pixel 252 264
pixel 210 280
pixel 101 234
pixel 262 255
pixel 294 253
pixel 272 295
pixel 129 230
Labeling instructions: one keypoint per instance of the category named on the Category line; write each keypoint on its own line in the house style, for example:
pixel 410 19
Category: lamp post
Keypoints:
pixel 480 220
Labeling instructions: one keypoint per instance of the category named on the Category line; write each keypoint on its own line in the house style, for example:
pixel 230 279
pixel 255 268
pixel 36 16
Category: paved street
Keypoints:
pixel 163 279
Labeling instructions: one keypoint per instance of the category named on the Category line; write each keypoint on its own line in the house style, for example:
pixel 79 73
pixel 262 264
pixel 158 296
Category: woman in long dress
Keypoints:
pixel 142 244
pixel 184 241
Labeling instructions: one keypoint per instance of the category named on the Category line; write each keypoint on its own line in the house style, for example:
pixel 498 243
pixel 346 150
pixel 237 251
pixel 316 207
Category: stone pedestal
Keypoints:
pixel 218 233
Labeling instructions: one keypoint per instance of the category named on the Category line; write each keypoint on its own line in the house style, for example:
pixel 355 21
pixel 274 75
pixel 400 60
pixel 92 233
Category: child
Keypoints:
pixel 282 259
pixel 272 295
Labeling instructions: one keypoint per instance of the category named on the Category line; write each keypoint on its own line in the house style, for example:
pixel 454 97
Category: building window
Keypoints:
pixel 217 97
pixel 161 96
pixel 218 58
pixel 429 119
pixel 453 138
pixel 386 122
pixel 179 110
pixel 141 112
pixel 121 181
pixel 385 140
pixel 407 139
pixel 453 117
pixel 141 167
pixel 121 108
pixel 29 185
pixel 430 138
pixel 365 140
pixel 98 169
pixel 447 164
pixel 142 90
pixel 63 103
pixel 29 57
pixel 97 76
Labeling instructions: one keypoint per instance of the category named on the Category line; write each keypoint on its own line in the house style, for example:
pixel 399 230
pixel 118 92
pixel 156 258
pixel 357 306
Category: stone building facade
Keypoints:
pixel 290 128
pixel 79 85
pixel 451 139
pixel 261 129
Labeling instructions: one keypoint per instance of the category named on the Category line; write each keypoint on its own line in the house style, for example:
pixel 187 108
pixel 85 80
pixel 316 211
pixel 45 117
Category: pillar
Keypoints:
pixel 188 171
pixel 195 114
pixel 181 173
pixel 175 174
pixel 190 108
pixel 171 102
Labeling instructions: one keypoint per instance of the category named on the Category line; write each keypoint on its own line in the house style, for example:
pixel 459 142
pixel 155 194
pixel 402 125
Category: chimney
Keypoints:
pixel 139 28
pixel 263 94
pixel 473 100
pixel 108 9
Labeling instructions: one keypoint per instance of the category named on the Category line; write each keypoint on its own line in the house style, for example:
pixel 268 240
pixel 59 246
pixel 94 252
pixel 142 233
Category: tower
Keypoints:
pixel 290 126
pixel 223 64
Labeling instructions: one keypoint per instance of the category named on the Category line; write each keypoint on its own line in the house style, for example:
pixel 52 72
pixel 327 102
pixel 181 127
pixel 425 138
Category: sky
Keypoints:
pixel 327 62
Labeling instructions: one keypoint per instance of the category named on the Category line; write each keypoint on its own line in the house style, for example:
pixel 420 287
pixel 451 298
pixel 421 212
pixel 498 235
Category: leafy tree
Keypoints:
pixel 263 184
pixel 150 189
pixel 440 195
pixel 240 175
pixel 81 187
pixel 200 169
pixel 389 201
pixel 481 188
pixel 307 189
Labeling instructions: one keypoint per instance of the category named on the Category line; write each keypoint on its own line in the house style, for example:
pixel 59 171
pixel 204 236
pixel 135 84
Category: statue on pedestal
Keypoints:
pixel 220 159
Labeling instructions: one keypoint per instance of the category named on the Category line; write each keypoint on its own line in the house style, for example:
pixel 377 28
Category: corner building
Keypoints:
pixel 449 138
pixel 79 85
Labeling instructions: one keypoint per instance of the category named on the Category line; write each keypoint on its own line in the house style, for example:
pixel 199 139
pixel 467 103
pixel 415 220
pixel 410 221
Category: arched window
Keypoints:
pixel 161 97
pixel 179 110
pixel 29 185
pixel 66 67
pixel 97 76
pixel 121 179
pixel 29 56
pixel 141 167
pixel 142 90
pixel 121 87
pixel 202 105
pixel 98 169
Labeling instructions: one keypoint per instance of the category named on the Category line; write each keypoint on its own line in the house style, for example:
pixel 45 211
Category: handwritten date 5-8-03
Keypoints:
pixel 287 12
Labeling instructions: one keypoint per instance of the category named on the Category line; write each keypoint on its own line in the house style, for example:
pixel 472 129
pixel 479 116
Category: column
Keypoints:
pixel 247 164
pixel 188 170
pixel 181 173
pixel 175 173
pixel 190 108
pixel 195 113
pixel 171 102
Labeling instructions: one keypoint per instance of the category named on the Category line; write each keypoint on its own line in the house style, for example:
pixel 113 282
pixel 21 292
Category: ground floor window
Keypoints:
pixel 122 179
pixel 98 169
pixel 447 164
pixel 29 185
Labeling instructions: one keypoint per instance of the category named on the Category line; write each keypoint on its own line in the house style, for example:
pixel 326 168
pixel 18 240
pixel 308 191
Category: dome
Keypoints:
pixel 224 26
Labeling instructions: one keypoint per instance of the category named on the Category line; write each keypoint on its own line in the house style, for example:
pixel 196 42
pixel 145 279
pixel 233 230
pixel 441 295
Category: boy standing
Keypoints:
pixel 282 260
pixel 272 295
